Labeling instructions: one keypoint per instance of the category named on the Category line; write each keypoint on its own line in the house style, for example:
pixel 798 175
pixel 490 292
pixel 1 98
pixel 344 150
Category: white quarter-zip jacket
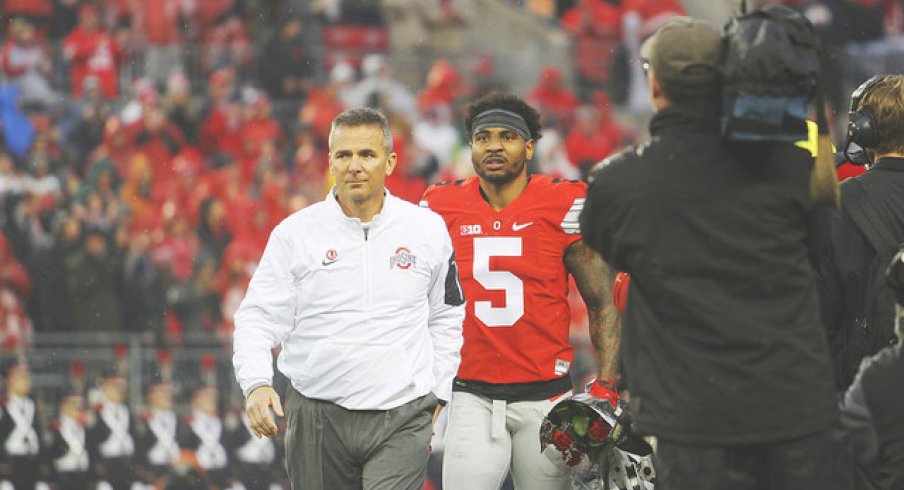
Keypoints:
pixel 368 315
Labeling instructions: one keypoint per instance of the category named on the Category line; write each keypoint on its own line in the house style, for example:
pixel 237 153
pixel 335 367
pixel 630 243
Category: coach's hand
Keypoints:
pixel 258 405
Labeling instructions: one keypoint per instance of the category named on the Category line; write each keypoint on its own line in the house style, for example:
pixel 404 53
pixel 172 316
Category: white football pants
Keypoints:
pixel 485 438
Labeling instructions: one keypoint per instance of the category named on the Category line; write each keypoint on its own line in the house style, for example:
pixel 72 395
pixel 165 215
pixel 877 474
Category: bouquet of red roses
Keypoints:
pixel 581 427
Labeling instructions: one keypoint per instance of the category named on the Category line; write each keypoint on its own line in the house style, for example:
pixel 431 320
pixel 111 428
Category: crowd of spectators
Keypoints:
pixel 139 179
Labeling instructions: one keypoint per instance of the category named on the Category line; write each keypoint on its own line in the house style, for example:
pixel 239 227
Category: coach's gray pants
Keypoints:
pixel 331 448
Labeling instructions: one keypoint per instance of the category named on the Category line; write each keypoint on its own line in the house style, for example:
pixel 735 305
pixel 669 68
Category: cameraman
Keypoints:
pixel 723 350
pixel 855 244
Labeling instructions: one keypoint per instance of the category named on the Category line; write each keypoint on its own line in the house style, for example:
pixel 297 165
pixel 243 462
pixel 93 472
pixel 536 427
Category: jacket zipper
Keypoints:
pixel 366 261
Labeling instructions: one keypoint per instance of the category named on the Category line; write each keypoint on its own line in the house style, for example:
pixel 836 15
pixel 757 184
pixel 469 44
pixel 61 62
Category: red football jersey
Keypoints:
pixel 511 267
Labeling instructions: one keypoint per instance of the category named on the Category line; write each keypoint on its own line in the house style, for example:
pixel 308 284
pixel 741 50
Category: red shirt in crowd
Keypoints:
pixel 221 130
pixel 15 287
pixel 95 53
pixel 553 96
pixel 158 20
pixel 595 26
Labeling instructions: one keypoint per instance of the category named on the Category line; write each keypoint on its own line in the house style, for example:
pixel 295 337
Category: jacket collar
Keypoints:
pixel 388 205
pixel 889 163
pixel 682 118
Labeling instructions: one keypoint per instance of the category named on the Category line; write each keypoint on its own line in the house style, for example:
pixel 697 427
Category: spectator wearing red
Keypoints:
pixel 239 261
pixel 259 129
pixel 324 104
pixel 160 140
pixel 175 255
pixel 595 28
pixel 654 13
pixel 552 96
pixel 221 127
pixel 308 165
pixel 26 63
pixel 253 234
pixel 444 86
pixel 485 78
pixel 188 167
pixel 116 147
pixel 92 51
pixel 234 192
pixel 15 288
pixel 272 188
pixel 405 181
pixel 588 143
pixel 609 127
pixel 207 12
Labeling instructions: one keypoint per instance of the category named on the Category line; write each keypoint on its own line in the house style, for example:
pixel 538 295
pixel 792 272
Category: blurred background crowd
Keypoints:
pixel 148 147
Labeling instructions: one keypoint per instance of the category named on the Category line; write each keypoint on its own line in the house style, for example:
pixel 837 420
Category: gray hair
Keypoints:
pixel 364 116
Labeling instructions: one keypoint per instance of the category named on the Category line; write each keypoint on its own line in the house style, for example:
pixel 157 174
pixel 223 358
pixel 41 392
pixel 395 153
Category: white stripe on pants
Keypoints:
pixel 477 457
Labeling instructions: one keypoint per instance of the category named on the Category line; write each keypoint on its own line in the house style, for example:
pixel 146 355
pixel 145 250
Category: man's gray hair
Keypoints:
pixel 365 116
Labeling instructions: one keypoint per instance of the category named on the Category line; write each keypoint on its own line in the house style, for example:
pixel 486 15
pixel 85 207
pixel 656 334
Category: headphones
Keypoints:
pixel 861 128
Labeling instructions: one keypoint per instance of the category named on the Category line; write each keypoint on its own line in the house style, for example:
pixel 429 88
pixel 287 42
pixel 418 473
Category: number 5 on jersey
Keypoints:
pixel 484 248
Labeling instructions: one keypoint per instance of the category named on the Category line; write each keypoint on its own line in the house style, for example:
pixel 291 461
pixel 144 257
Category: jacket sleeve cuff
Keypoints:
pixel 247 391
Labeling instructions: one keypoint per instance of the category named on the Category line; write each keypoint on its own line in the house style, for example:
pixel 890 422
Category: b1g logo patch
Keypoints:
pixel 403 259
pixel 471 230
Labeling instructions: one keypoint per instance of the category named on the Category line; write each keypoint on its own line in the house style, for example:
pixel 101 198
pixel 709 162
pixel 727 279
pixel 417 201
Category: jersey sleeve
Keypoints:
pixel 573 194
pixel 428 198
pixel 441 199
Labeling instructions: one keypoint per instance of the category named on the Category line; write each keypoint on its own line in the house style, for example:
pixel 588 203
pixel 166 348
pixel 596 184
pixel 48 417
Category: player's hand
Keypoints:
pixel 257 406
pixel 605 389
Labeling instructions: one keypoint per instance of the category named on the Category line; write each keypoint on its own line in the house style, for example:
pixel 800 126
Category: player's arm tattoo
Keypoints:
pixel 594 280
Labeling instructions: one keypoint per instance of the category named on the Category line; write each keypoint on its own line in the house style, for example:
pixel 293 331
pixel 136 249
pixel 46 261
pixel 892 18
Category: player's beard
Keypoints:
pixel 508 173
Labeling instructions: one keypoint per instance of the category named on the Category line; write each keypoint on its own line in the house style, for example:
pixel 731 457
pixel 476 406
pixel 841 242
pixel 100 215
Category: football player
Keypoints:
pixel 516 239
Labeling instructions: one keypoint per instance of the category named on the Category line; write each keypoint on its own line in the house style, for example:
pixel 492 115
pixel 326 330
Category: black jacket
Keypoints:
pixel 873 415
pixel 721 338
pixel 857 306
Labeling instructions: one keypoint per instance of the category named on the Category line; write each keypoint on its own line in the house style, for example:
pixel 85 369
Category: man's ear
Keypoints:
pixel 391 163
pixel 655 86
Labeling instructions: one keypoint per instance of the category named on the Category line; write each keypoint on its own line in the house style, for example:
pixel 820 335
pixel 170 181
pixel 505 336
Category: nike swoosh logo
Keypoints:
pixel 329 262
pixel 517 227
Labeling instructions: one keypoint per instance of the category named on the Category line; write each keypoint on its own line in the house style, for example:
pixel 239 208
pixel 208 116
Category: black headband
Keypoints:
pixel 500 118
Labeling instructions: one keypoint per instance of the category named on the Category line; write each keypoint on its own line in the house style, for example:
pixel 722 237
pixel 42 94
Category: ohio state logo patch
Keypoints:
pixel 403 259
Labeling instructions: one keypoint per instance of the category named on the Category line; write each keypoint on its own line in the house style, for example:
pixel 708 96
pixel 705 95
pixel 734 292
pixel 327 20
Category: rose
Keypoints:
pixel 572 459
pixel 598 430
pixel 562 440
